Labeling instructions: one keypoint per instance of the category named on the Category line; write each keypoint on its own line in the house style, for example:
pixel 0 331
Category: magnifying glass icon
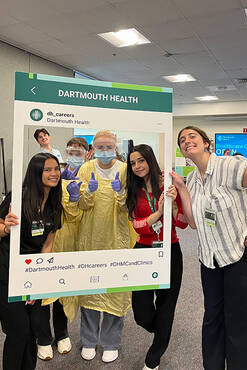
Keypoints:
pixel 61 281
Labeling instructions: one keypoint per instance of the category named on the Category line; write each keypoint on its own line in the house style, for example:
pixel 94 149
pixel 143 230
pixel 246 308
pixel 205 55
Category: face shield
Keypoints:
pixel 75 156
pixel 105 149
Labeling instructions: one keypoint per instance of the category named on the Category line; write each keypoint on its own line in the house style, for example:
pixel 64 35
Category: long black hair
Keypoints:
pixel 33 192
pixel 135 183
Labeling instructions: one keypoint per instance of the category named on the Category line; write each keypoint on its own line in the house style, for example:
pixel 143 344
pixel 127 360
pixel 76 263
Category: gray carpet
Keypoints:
pixel 184 351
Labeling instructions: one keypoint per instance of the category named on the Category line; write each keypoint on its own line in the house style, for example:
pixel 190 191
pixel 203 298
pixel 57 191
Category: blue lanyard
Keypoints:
pixel 153 209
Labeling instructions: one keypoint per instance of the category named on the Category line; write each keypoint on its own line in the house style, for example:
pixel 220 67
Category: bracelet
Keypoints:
pixel 5 232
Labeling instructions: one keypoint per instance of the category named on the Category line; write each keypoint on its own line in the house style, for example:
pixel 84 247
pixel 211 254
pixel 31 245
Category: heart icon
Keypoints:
pixel 28 261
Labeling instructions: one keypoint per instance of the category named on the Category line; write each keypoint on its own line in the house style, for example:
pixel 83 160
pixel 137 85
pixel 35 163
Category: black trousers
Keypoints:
pixel 157 316
pixel 18 323
pixel 59 324
pixel 224 330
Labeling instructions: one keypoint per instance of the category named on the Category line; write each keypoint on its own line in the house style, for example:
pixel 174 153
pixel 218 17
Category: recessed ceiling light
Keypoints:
pixel 206 98
pixel 124 38
pixel 179 78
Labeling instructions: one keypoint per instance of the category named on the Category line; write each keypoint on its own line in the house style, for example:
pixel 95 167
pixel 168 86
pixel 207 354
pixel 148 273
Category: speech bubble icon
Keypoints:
pixel 39 260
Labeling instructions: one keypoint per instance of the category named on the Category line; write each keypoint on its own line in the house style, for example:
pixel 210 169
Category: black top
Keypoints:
pixel 28 243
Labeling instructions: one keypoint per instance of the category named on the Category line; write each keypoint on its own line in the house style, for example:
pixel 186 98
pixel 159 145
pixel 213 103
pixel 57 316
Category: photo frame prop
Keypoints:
pixel 59 102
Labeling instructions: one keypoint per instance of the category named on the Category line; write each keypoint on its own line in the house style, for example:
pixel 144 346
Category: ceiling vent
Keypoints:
pixel 222 88
pixel 241 80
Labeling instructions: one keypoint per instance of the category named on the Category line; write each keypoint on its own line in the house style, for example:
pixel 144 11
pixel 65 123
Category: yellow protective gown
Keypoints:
pixel 66 240
pixel 104 225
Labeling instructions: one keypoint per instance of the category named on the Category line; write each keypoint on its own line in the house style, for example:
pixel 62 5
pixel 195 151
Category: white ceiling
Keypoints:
pixel 206 38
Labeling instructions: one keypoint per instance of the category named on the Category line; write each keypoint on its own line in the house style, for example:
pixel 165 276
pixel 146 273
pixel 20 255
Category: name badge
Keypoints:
pixel 157 244
pixel 210 217
pixel 157 226
pixel 37 228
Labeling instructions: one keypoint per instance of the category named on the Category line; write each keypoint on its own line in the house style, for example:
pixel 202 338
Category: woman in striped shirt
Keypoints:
pixel 153 309
pixel 215 205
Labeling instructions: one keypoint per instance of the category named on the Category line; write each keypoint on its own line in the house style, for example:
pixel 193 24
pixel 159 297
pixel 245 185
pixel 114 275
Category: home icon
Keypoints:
pixel 28 284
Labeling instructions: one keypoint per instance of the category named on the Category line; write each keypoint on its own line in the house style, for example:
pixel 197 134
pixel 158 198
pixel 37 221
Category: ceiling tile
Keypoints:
pixel 202 7
pixel 146 12
pixel 207 38
pixel 22 34
pixel 160 32
pixel 184 45
pixel 219 24
pixel 233 57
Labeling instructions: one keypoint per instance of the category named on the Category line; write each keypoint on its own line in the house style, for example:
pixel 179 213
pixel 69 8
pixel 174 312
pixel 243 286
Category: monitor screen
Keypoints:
pixel 237 143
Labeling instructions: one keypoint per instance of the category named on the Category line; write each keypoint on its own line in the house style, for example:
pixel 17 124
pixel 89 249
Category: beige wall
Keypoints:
pixel 12 60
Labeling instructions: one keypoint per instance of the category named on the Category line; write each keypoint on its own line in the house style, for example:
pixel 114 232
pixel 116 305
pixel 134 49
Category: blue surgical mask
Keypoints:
pixel 74 161
pixel 105 157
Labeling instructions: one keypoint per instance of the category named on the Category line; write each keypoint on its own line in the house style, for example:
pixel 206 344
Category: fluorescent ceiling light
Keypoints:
pixel 206 98
pixel 124 38
pixel 245 11
pixel 179 78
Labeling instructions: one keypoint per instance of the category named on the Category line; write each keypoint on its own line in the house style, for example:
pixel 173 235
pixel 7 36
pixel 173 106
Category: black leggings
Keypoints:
pixel 157 317
pixel 18 322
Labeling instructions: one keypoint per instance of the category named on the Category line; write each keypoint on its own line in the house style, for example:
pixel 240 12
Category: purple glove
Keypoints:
pixel 116 184
pixel 69 175
pixel 74 191
pixel 92 184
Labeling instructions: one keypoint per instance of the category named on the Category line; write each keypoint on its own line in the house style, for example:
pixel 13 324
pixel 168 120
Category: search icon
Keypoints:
pixel 61 281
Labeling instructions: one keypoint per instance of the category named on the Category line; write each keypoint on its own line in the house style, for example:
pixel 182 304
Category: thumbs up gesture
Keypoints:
pixel 116 184
pixel 92 184
pixel 74 191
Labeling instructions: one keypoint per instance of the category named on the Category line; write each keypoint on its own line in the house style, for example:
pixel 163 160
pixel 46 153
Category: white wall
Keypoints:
pixel 11 60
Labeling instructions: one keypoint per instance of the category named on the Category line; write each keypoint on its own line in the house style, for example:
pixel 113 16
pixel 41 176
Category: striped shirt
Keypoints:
pixel 223 193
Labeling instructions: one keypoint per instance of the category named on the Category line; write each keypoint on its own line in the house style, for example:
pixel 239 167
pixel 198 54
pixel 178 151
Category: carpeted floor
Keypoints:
pixel 184 351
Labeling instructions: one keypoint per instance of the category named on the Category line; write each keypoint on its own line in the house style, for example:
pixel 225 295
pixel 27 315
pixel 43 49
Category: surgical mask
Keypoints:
pixel 105 157
pixel 74 161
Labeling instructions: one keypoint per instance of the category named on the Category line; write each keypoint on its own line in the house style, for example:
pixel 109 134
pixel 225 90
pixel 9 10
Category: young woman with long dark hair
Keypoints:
pixel 153 309
pixel 41 206
pixel 65 241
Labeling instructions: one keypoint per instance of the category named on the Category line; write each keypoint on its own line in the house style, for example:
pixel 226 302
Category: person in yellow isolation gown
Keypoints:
pixel 104 225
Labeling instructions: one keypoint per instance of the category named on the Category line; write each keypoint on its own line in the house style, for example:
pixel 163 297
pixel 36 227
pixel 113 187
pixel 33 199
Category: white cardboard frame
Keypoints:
pixel 66 274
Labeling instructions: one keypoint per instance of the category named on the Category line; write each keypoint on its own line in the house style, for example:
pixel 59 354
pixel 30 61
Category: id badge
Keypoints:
pixel 37 228
pixel 157 244
pixel 210 217
pixel 157 226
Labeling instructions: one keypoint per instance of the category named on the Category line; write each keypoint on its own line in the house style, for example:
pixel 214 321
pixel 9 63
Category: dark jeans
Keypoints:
pixel 157 317
pixel 18 322
pixel 59 323
pixel 224 330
